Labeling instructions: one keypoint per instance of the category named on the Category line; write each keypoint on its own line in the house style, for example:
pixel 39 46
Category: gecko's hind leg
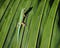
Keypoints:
pixel 23 24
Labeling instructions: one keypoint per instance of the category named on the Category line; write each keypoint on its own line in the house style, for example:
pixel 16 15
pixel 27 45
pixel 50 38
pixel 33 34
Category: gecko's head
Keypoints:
pixel 23 10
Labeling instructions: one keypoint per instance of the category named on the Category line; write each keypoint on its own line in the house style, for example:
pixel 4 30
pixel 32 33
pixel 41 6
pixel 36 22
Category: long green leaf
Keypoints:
pixel 47 32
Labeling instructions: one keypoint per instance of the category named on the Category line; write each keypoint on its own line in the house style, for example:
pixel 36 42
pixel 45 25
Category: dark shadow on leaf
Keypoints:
pixel 39 2
pixel 1 2
pixel 51 2
pixel 59 15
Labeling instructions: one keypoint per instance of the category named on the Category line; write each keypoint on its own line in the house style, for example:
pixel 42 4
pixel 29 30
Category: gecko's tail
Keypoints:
pixel 18 33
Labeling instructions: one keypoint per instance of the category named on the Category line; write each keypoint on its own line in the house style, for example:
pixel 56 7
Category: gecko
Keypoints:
pixel 23 14
pixel 20 21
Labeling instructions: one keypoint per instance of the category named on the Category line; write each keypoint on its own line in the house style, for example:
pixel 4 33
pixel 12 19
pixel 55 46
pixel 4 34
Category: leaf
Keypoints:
pixel 46 37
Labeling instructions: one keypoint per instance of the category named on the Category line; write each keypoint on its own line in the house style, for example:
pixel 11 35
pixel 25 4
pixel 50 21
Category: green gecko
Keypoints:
pixel 20 22
pixel 23 14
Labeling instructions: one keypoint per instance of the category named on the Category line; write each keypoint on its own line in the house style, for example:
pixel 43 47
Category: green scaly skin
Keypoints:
pixel 20 21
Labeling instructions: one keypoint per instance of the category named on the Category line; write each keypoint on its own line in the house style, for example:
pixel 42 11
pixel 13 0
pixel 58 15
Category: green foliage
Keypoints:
pixel 42 28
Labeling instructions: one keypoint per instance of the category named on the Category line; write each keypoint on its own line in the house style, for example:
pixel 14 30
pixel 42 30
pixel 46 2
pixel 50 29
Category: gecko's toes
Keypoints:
pixel 25 16
pixel 23 24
